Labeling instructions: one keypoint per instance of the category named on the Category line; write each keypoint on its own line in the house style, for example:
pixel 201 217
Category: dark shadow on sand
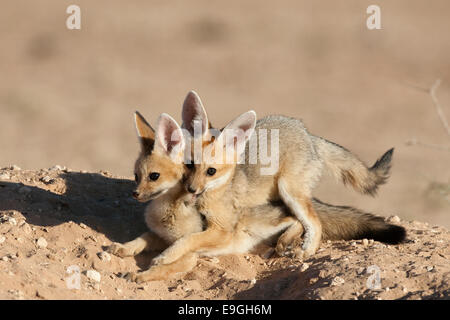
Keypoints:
pixel 100 202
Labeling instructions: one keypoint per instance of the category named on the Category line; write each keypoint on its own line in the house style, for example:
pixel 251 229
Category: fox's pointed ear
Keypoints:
pixel 238 132
pixel 145 132
pixel 169 138
pixel 194 116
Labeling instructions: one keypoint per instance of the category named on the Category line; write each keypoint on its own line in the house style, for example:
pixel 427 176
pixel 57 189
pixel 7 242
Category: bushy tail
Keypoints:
pixel 350 169
pixel 347 223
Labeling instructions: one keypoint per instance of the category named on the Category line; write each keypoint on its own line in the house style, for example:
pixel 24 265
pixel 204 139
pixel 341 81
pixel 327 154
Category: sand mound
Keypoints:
pixel 56 220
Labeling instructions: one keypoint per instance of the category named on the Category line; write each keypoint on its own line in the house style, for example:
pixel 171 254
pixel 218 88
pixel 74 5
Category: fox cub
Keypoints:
pixel 230 195
pixel 172 215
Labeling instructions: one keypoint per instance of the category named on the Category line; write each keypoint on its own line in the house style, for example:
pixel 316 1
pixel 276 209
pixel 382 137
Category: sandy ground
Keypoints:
pixel 53 220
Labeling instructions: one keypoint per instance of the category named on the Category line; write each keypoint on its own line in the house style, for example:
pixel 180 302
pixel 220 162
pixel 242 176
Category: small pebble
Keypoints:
pixel 365 242
pixel 12 221
pixel 2 239
pixel 57 168
pixel 304 267
pixel 47 180
pixel 26 228
pixel 5 176
pixel 337 281
pixel 41 242
pixel 394 219
pixel 14 167
pixel 93 275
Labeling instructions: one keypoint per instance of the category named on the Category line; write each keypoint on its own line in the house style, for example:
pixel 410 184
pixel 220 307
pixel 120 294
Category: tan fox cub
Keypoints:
pixel 171 214
pixel 223 187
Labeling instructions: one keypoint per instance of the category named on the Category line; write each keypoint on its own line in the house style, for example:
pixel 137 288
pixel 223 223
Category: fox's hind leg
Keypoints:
pixel 165 271
pixel 299 203
pixel 289 238
pixel 147 241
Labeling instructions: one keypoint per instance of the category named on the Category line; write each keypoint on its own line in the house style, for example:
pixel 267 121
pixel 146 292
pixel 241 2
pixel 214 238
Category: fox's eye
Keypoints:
pixel 136 178
pixel 153 176
pixel 211 171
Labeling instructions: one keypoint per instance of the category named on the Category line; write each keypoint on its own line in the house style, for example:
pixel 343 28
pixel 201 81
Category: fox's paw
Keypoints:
pixel 139 277
pixel 161 259
pixel 119 250
pixel 287 247
pixel 281 249
pixel 131 276
pixel 168 256
pixel 298 254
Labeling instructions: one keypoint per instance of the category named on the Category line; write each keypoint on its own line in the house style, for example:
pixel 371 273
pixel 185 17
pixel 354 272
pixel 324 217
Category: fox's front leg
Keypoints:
pixel 165 271
pixel 196 242
pixel 147 241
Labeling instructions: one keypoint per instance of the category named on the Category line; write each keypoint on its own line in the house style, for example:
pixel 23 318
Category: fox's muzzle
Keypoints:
pixel 147 197
pixel 194 191
pixel 191 190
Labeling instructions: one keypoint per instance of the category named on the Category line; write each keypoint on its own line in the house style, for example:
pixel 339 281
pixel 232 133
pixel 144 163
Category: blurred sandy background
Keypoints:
pixel 67 96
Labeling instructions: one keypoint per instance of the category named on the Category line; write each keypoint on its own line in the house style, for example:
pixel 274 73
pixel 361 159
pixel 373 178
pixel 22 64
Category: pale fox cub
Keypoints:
pixel 171 215
pixel 224 190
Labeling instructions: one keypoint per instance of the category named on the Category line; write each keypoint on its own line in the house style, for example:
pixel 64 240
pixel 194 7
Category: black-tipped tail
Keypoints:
pixel 389 233
pixel 347 223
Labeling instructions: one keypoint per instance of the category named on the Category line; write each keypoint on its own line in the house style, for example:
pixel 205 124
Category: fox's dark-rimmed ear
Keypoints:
pixel 145 132
pixel 194 116
pixel 238 132
pixel 169 138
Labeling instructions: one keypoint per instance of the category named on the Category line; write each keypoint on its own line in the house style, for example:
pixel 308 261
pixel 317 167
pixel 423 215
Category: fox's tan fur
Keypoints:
pixel 301 161
pixel 172 215
pixel 176 224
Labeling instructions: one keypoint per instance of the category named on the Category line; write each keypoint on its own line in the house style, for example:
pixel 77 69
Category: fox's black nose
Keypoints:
pixel 191 190
pixel 135 194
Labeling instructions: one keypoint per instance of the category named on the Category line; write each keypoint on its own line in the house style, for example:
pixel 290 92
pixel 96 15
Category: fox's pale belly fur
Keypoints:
pixel 172 220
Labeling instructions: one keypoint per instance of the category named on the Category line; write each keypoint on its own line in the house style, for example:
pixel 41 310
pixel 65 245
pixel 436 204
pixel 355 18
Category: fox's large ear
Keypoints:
pixel 145 132
pixel 169 138
pixel 238 132
pixel 194 116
